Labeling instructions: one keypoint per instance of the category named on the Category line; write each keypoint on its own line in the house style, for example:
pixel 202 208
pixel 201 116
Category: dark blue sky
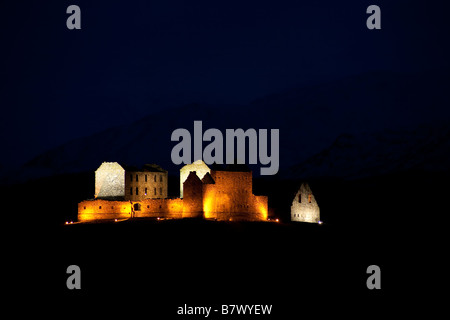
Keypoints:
pixel 134 57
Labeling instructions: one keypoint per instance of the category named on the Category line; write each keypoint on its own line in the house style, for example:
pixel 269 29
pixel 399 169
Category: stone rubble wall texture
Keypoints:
pixel 109 180
pixel 231 197
pixel 155 189
pixel 164 208
pixel 304 210
pixel 198 166
pixel 90 210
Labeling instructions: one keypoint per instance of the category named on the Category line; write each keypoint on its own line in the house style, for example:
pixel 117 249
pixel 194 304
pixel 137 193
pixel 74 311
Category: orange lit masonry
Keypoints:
pixel 221 194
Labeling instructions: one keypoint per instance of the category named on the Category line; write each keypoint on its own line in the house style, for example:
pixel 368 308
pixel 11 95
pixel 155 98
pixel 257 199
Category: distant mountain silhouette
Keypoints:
pixel 356 111
pixel 425 149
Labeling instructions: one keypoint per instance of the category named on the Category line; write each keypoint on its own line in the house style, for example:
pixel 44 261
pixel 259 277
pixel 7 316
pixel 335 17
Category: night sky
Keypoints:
pixel 132 58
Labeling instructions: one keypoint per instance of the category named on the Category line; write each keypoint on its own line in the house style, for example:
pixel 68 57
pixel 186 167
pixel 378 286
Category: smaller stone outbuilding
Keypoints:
pixel 304 207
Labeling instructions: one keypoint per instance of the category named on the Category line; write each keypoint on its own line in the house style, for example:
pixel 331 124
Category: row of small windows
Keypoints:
pixel 136 207
pixel 238 178
pixel 145 178
pixel 223 206
pixel 145 191
pixel 237 191
pixel 112 207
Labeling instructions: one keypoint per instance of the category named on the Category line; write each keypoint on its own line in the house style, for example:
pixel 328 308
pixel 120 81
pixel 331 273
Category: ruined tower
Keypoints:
pixel 304 207
pixel 193 197
pixel 110 181
pixel 200 169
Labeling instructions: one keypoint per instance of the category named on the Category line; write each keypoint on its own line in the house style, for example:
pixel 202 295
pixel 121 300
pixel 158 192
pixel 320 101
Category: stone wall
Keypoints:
pixel 231 198
pixel 109 181
pixel 198 166
pixel 146 185
pixel 304 207
pixel 193 197
pixel 260 208
pixel 164 208
pixel 233 191
pixel 89 210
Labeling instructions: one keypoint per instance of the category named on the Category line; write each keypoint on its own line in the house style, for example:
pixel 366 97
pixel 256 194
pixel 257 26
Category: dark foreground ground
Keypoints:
pixel 148 268
pixel 157 266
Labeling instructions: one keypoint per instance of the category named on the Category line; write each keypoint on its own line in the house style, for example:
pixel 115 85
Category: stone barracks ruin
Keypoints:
pixel 304 207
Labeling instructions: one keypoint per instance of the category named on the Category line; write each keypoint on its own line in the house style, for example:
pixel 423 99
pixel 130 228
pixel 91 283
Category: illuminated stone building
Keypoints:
pixel 304 207
pixel 218 193
pixel 199 167
pixel 115 182
pixel 149 182
pixel 110 181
